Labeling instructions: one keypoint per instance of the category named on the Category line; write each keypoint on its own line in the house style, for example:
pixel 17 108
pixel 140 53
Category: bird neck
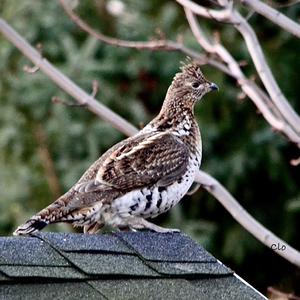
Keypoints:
pixel 174 114
pixel 177 100
pixel 178 118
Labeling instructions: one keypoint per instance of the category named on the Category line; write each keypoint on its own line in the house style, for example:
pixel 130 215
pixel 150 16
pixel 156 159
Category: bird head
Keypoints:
pixel 189 85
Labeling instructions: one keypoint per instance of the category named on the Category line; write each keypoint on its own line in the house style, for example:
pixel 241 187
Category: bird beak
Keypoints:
pixel 213 87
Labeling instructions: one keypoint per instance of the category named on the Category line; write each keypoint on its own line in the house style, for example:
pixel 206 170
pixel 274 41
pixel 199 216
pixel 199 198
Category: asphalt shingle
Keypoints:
pixel 28 252
pixel 109 264
pixel 73 242
pixel 168 268
pixel 225 288
pixel 137 289
pixel 45 291
pixel 42 272
pixel 174 247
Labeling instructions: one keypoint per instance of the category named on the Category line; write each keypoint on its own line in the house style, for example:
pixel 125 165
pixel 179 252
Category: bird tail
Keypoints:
pixel 31 226
pixel 51 214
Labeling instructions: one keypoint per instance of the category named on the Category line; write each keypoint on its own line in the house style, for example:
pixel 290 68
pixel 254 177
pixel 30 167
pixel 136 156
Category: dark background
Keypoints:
pixel 45 147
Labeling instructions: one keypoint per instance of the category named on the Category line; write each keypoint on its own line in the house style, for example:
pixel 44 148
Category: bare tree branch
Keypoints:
pixel 264 71
pixel 209 183
pixel 232 15
pixel 245 219
pixel 261 100
pixel 282 5
pixel 252 90
pixel 64 82
pixel 218 15
pixel 155 45
pixel 274 15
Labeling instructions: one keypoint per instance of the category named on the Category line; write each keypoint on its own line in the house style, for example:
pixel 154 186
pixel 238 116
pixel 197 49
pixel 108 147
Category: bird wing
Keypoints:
pixel 157 158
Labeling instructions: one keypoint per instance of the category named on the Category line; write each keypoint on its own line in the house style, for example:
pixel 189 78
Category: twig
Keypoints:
pixel 274 15
pixel 34 69
pixel 30 70
pixel 58 100
pixel 95 88
pixel 211 184
pixel 155 45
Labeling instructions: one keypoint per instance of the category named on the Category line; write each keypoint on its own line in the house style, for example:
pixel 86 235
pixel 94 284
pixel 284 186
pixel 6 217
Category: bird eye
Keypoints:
pixel 195 85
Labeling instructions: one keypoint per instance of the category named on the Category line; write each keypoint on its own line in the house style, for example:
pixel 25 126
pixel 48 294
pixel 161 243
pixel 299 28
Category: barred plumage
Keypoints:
pixel 142 176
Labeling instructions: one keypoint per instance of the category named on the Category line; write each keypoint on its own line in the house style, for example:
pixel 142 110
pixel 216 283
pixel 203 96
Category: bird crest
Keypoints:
pixel 189 69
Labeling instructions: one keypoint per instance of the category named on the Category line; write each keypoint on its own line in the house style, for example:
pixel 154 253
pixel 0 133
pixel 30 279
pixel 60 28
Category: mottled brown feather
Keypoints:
pixel 144 161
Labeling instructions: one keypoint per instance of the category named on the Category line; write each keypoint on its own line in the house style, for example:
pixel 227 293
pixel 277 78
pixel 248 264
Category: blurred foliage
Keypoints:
pixel 45 147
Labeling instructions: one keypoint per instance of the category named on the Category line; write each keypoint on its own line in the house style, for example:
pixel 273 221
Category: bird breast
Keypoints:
pixel 149 202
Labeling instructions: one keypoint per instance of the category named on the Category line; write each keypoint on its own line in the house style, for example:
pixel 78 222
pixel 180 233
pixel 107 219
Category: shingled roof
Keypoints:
pixel 127 265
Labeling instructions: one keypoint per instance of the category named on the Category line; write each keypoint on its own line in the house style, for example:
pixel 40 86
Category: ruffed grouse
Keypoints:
pixel 142 176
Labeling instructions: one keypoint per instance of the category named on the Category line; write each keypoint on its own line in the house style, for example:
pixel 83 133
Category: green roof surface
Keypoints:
pixel 127 265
